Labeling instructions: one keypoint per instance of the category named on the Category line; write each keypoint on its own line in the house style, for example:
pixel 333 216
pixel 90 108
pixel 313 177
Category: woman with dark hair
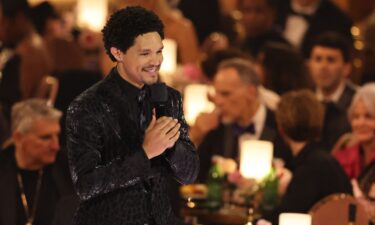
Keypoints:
pixel 282 68
pixel 316 174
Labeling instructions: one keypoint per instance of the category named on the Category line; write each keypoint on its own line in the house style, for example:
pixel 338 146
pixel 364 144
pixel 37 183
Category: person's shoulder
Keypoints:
pixel 328 7
pixel 173 92
pixel 351 88
pixel 353 149
pixel 6 155
pixel 91 96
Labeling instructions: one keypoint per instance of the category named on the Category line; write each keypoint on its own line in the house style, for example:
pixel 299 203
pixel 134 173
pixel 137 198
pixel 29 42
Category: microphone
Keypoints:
pixel 159 97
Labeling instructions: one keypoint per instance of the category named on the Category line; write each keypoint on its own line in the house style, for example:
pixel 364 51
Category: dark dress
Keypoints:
pixel 316 174
pixel 336 118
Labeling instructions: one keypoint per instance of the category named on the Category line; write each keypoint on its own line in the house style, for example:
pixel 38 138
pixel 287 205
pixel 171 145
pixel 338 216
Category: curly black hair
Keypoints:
pixel 126 24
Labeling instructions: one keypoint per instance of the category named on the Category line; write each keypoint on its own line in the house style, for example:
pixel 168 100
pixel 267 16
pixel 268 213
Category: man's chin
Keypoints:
pixel 151 81
pixel 227 120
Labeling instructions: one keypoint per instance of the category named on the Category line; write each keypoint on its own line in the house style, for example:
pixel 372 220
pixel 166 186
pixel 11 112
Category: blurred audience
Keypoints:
pixel 25 59
pixel 65 53
pixel 34 174
pixel 369 51
pixel 303 20
pixel 282 68
pixel 258 17
pixel 354 158
pixel 330 66
pixel 177 27
pixel 204 15
pixel 238 111
pixel 316 174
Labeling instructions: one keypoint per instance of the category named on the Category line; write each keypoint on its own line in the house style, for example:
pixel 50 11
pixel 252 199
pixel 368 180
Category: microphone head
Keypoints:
pixel 158 93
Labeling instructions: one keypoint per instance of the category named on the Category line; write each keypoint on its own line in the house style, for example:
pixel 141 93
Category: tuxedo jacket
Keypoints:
pixel 328 17
pixel 223 141
pixel 336 121
pixel 115 181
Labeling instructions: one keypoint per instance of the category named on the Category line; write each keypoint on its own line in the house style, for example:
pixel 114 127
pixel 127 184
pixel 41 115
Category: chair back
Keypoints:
pixel 48 88
pixel 338 209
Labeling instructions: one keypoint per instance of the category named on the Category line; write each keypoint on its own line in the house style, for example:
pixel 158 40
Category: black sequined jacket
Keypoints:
pixel 116 182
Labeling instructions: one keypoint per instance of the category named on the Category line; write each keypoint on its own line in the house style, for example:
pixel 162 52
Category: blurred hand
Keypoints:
pixel 263 222
pixel 204 123
pixel 161 134
pixel 284 175
pixel 367 205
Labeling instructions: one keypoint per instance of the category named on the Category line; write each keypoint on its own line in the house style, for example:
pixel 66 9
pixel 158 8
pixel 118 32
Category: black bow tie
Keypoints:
pixel 238 130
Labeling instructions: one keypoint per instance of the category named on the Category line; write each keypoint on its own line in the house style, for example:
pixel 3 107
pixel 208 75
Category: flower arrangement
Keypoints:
pixel 235 189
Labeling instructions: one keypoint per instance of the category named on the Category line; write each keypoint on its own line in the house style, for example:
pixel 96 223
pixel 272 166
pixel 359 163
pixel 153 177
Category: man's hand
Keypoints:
pixel 161 134
pixel 204 123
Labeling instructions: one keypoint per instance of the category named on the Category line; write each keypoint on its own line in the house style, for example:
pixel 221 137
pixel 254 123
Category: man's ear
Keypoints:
pixel 117 53
pixel 252 91
pixel 17 136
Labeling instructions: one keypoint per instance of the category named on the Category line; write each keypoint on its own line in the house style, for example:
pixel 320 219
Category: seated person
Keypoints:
pixel 316 174
pixel 362 119
pixel 329 67
pixel 33 174
pixel 239 110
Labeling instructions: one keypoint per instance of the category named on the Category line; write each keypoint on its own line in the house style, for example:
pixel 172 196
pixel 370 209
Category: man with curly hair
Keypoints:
pixel 121 151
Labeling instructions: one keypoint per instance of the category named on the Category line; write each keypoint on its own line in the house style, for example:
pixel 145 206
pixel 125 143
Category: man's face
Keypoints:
pixel 257 17
pixel 232 96
pixel 327 67
pixel 41 143
pixel 141 62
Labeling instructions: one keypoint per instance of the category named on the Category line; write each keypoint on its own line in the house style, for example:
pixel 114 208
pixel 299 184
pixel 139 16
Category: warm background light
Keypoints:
pixel 196 101
pixel 294 219
pixel 169 56
pixel 255 158
pixel 92 14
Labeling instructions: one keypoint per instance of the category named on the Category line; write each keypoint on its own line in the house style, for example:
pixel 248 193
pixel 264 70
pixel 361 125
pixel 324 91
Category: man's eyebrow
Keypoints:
pixel 149 50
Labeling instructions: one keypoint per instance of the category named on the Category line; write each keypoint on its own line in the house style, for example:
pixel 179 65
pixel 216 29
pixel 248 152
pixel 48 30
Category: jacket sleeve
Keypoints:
pixel 92 174
pixel 182 158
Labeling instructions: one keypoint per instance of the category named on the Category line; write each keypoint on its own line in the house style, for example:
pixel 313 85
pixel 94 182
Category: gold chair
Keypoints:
pixel 48 89
pixel 338 209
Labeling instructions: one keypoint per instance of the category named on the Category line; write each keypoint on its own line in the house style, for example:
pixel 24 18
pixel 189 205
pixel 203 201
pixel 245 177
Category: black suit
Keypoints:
pixel 336 118
pixel 10 203
pixel 328 17
pixel 223 141
pixel 115 181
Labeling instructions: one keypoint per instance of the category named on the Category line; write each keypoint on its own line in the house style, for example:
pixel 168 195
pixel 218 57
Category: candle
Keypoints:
pixel 294 219
pixel 255 158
